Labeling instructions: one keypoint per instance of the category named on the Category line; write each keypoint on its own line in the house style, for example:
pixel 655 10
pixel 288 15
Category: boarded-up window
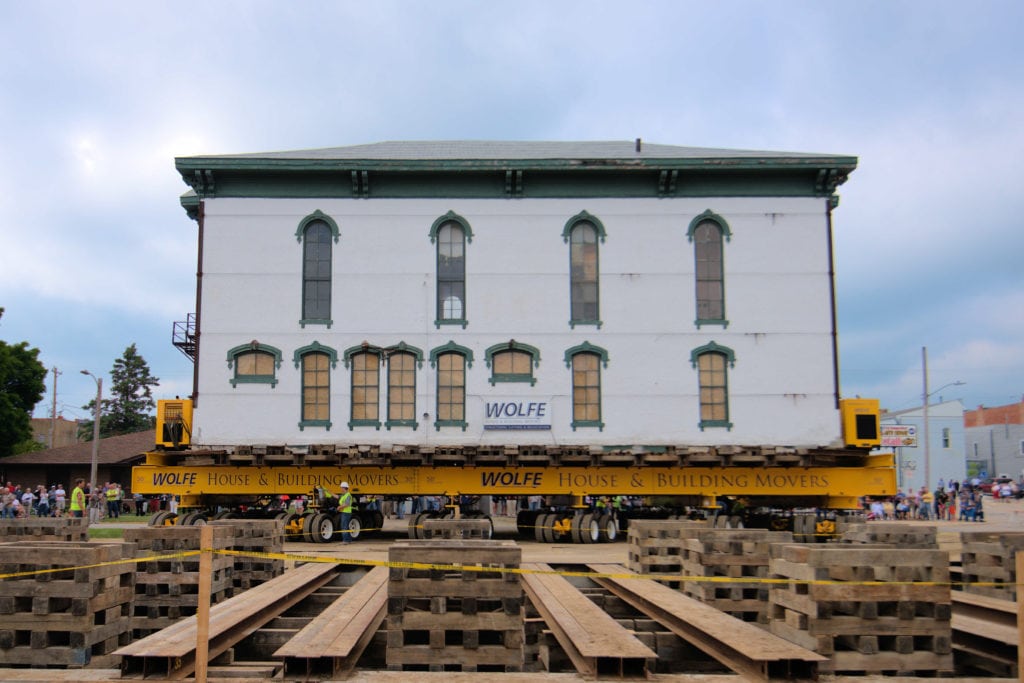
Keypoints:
pixel 402 387
pixel 316 387
pixel 451 387
pixel 365 386
pixel 583 272
pixel 714 399
pixel 586 388
pixel 254 364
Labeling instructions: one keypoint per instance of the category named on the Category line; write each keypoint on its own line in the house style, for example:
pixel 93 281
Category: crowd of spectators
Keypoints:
pixel 17 501
pixel 955 501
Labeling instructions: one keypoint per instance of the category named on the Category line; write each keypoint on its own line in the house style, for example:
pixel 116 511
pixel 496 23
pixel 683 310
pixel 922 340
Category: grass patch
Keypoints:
pixel 108 532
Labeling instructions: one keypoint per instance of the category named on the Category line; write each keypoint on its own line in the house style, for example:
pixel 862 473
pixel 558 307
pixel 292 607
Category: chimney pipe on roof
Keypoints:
pixel 638 145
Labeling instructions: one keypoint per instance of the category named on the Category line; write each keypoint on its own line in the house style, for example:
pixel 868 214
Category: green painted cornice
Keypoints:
pixel 708 215
pixel 315 347
pixel 581 217
pixel 712 347
pixel 586 347
pixel 317 215
pixel 451 347
pixel 512 345
pixel 556 170
pixel 451 217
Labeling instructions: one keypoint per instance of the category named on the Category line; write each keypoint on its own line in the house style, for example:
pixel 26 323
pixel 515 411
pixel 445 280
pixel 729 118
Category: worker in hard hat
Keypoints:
pixel 345 505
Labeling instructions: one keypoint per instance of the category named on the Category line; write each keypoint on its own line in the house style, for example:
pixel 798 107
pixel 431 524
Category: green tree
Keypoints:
pixel 131 397
pixel 21 388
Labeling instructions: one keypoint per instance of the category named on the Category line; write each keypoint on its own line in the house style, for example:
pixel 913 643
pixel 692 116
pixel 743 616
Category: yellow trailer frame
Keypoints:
pixel 827 487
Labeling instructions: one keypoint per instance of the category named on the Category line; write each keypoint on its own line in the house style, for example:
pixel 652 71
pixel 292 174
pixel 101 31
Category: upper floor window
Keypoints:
pixel 512 362
pixel 945 437
pixel 585 362
pixel 316 362
pixel 254 363
pixel 451 361
pixel 707 232
pixel 451 232
pixel 711 362
pixel 316 232
pixel 583 232
pixel 402 387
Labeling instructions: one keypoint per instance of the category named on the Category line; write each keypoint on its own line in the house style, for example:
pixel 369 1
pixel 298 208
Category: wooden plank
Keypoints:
pixel 171 652
pixel 743 647
pixel 338 629
pixel 590 637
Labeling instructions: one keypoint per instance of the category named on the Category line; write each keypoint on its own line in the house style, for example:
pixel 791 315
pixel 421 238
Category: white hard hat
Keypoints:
pixel 344 484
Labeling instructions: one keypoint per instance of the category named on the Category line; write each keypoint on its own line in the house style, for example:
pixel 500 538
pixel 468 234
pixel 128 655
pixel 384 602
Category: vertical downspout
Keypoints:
pixel 199 304
pixel 832 297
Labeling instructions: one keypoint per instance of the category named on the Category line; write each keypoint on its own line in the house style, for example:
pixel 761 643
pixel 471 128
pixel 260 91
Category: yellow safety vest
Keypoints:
pixel 346 502
pixel 111 494
pixel 77 499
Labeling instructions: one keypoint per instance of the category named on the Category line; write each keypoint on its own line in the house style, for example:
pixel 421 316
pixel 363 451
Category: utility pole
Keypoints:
pixel 53 413
pixel 927 432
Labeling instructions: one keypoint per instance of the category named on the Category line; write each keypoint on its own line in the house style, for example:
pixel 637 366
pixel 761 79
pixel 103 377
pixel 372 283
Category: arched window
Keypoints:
pixel 365 389
pixel 451 232
pixel 316 232
pixel 254 363
pixel 585 361
pixel 451 361
pixel 712 362
pixel 583 232
pixel 512 361
pixel 706 232
pixel 316 390
pixel 401 390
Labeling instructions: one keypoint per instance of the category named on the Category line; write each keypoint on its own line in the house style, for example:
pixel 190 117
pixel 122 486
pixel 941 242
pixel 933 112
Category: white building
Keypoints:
pixel 475 293
pixel 942 457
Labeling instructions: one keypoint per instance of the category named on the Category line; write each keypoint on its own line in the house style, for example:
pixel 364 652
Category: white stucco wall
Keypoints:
pixel 383 292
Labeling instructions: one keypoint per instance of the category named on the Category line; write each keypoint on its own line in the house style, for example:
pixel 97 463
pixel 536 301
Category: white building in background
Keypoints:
pixel 945 448
pixel 475 293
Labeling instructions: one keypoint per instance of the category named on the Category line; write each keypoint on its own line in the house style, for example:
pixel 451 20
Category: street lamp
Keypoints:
pixel 925 395
pixel 95 429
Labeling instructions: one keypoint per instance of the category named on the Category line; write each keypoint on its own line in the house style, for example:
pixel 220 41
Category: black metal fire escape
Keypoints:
pixel 184 336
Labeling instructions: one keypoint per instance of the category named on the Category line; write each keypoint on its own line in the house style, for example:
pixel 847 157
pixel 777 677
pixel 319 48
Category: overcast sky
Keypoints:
pixel 97 98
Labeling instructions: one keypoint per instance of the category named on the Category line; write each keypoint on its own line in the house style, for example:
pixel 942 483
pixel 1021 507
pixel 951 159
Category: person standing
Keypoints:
pixel 112 502
pixel 78 499
pixel 345 505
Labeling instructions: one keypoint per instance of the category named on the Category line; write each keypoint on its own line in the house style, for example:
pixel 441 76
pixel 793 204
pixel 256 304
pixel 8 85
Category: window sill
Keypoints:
pixel 513 378
pixel 316 321
pixel 453 321
pixel 401 423
pixel 588 423
pixel 716 423
pixel 266 379
pixel 449 423
pixel 315 423
pixel 699 322
pixel 595 323
pixel 364 423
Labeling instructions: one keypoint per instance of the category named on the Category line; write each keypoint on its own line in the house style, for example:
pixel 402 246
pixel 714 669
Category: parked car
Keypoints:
pixel 988 485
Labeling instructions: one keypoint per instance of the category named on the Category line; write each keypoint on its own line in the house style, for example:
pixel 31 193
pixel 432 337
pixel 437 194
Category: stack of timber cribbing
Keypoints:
pixel 265 536
pixel 985 635
pixel 868 609
pixel 167 589
pixel 463 618
pixel 713 556
pixel 897 534
pixel 44 529
pixel 74 617
pixel 656 546
pixel 456 528
pixel 989 558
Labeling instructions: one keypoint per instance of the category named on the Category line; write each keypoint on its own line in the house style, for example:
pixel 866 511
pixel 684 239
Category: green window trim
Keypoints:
pixel 315 347
pixel 317 215
pixel 316 321
pixel 352 424
pixel 602 358
pixel 467 357
pixel 513 345
pixel 452 217
pixel 252 346
pixel 451 347
pixel 315 423
pixel 417 355
pixel 445 279
pixel 347 359
pixel 584 216
pixel 724 231
pixel 730 359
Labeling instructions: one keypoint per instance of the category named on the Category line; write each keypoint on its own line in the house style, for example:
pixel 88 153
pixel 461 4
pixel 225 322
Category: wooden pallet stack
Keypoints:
pixel 657 546
pixel 167 589
pixel 463 618
pixel 870 610
pixel 896 534
pixel 36 529
pixel 456 528
pixel 71 618
pixel 265 536
pixel 718 561
pixel 989 558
